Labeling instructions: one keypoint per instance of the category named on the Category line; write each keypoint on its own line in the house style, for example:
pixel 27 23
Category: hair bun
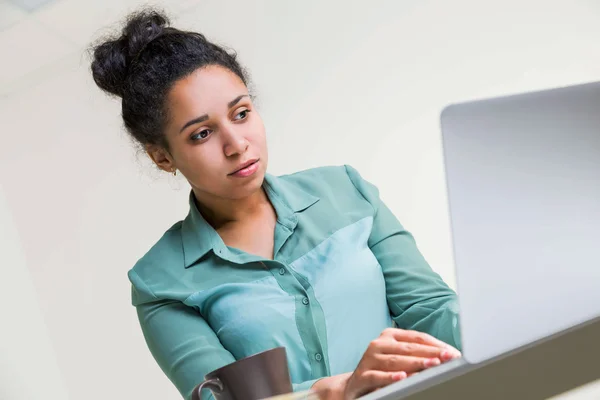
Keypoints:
pixel 112 58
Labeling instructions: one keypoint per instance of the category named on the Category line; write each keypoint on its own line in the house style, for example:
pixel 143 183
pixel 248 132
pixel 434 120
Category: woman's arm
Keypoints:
pixel 417 296
pixel 181 341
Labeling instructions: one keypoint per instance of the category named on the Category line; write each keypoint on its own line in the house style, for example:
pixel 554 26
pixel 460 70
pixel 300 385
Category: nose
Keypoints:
pixel 234 143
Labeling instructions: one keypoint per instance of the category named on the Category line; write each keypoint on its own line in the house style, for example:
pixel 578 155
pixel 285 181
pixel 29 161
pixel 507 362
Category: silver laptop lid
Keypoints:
pixel 523 177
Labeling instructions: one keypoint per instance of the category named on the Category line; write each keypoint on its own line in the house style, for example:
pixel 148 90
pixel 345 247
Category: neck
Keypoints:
pixel 219 212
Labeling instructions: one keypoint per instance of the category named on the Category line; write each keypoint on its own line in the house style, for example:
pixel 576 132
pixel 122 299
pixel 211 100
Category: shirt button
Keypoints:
pixel 318 357
pixel 305 301
pixel 282 271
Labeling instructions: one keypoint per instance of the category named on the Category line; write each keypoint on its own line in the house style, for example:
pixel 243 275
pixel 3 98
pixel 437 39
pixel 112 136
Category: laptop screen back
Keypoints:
pixel 523 178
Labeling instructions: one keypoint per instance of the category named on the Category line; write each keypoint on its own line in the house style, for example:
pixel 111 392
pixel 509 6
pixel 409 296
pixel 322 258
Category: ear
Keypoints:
pixel 161 157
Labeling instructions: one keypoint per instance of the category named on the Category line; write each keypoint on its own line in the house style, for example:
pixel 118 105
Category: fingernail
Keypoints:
pixel 449 355
pixel 399 375
pixel 432 362
pixel 454 352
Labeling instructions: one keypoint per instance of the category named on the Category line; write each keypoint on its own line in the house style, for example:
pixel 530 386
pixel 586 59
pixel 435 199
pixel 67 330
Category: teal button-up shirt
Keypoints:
pixel 344 269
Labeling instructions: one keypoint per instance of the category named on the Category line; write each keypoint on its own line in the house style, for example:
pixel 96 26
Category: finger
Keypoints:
pixel 450 354
pixel 410 349
pixel 388 362
pixel 432 341
pixel 402 335
pixel 398 376
pixel 373 380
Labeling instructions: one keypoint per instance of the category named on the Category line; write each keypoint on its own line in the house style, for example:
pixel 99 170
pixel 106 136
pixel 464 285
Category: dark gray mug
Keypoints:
pixel 255 377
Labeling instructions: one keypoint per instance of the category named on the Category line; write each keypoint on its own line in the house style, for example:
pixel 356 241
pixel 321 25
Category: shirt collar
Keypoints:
pixel 199 237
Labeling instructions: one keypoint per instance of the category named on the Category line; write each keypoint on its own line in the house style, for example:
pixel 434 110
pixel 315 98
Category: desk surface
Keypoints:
pixel 554 366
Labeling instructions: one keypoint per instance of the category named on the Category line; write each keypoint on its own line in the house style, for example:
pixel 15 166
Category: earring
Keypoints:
pixel 175 172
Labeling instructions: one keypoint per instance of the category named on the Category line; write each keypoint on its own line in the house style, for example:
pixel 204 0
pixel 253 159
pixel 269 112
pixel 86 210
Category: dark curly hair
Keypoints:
pixel 143 63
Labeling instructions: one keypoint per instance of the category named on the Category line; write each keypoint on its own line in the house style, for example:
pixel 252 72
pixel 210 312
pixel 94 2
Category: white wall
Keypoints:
pixel 337 81
pixel 25 346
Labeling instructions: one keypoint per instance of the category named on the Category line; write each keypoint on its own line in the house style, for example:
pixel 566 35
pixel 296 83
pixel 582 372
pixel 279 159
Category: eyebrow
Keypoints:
pixel 236 100
pixel 205 116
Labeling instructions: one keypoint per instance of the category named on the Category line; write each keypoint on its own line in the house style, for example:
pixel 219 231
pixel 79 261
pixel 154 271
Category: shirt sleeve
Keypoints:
pixel 181 341
pixel 417 296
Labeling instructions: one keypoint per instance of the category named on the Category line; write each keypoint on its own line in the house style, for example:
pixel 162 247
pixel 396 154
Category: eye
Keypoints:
pixel 241 115
pixel 201 135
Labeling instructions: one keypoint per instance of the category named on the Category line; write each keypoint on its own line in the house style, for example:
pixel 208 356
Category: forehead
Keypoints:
pixel 205 91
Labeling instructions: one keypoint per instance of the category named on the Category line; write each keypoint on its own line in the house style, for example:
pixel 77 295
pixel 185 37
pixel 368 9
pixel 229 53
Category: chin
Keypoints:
pixel 249 187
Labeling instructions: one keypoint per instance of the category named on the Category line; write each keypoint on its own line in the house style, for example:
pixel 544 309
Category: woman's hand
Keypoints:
pixel 393 356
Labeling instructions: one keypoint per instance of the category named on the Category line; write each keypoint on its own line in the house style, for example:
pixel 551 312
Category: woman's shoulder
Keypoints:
pixel 332 180
pixel 162 256
pixel 323 176
pixel 320 171
pixel 165 248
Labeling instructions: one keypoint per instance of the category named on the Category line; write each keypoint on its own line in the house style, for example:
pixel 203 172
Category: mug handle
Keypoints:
pixel 212 384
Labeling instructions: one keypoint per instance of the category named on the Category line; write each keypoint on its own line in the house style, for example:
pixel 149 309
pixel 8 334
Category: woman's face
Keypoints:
pixel 216 137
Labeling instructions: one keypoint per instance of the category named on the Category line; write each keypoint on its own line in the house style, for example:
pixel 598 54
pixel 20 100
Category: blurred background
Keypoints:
pixel 355 82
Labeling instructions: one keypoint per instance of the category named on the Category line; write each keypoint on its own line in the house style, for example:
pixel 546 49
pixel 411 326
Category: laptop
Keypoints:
pixel 523 182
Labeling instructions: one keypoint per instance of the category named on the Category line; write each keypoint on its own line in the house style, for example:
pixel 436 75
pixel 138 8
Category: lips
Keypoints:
pixel 244 165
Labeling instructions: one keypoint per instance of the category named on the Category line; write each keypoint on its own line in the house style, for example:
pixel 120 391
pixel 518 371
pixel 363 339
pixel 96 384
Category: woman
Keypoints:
pixel 312 261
